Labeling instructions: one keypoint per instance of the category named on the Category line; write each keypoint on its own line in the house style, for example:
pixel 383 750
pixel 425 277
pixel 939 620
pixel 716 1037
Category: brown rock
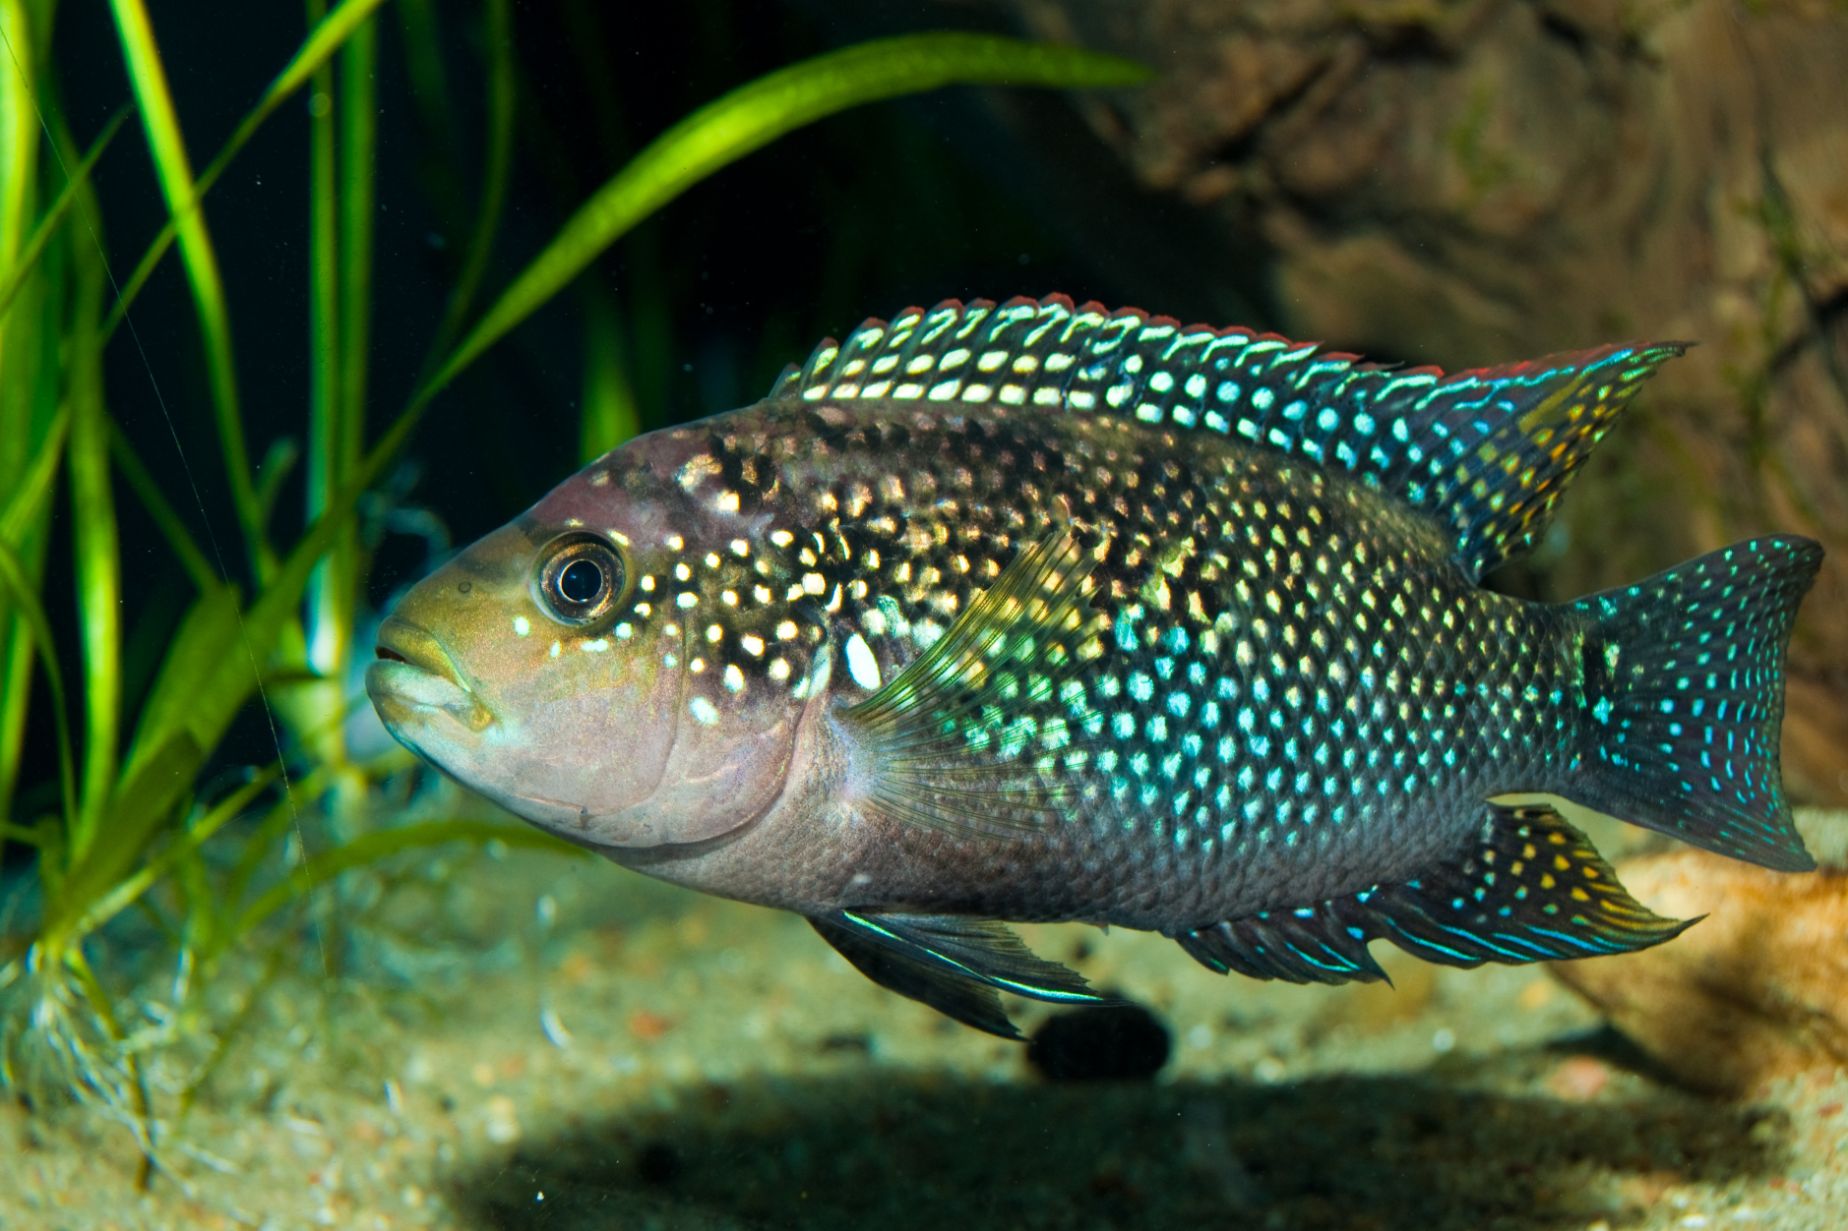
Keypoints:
pixel 1757 990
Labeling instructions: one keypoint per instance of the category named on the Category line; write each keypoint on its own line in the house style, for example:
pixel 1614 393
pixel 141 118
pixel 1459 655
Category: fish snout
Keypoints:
pixel 414 675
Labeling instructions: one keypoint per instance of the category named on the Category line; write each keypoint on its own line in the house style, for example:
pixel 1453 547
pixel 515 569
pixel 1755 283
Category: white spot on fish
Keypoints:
pixel 861 664
pixel 522 626
pixel 704 712
pixel 595 647
pixel 734 677
pixel 753 644
pixel 779 669
pixel 554 650
pixel 600 478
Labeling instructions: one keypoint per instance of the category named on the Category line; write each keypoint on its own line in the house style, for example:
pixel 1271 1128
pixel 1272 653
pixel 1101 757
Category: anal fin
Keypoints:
pixel 954 965
pixel 1530 888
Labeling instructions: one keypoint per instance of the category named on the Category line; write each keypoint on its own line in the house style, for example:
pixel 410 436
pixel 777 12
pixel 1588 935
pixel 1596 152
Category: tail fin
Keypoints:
pixel 1684 693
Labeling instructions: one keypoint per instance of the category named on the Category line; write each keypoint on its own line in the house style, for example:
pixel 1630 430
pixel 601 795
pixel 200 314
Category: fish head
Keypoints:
pixel 583 666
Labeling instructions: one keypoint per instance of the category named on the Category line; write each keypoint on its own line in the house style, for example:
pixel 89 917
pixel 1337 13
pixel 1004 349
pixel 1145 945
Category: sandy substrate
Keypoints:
pixel 656 1059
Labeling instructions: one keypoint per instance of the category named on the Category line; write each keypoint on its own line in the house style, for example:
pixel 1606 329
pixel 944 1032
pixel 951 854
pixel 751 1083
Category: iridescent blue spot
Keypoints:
pixel 1125 630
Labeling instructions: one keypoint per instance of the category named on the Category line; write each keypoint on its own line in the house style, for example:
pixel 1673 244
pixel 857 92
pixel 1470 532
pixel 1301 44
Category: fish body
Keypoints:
pixel 1039 612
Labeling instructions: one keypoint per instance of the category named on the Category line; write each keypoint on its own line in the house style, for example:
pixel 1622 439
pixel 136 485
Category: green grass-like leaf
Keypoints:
pixel 380 844
pixel 326 38
pixel 97 552
pixel 16 586
pixel 754 115
pixel 49 222
pixel 148 78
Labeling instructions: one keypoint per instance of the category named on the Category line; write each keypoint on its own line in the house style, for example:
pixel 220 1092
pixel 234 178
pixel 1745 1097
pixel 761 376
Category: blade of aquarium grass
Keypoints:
pixel 13 277
pixel 323 41
pixel 16 586
pixel 753 115
pixel 370 848
pixel 97 554
pixel 181 700
pixel 161 512
pixel 148 79
pixel 26 502
pixel 19 131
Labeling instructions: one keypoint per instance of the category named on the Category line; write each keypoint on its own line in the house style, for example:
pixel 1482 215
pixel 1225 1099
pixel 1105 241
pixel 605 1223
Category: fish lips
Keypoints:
pixel 414 678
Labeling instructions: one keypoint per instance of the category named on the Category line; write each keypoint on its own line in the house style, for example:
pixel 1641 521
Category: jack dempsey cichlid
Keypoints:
pixel 1043 612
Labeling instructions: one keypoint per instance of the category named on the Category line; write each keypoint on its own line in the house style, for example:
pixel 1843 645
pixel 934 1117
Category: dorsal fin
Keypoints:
pixel 1486 451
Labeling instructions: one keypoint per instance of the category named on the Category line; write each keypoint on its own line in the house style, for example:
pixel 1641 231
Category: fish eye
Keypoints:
pixel 580 577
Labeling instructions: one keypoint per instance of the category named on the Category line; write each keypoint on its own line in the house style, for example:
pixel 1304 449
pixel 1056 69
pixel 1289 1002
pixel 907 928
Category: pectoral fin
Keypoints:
pixel 954 965
pixel 974 735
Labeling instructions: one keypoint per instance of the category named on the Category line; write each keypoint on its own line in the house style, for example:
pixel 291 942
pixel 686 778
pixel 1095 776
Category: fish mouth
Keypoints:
pixel 413 674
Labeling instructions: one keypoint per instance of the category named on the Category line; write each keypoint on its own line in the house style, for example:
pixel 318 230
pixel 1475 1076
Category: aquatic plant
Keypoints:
pixel 139 810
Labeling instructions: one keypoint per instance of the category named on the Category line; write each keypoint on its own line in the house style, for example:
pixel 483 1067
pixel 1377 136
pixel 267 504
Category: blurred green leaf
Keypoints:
pixel 53 218
pixel 610 414
pixel 756 114
pixel 96 551
pixel 17 587
pixel 166 519
pixel 186 697
pixel 370 848
pixel 26 501
pixel 323 41
pixel 148 77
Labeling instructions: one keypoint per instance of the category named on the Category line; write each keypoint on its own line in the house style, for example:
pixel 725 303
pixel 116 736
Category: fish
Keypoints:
pixel 1044 612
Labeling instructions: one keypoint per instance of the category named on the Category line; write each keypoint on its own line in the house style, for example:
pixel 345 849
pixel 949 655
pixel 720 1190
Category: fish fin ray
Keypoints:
pixel 1683 700
pixel 956 966
pixel 1530 888
pixel 1310 944
pixel 1484 452
pixel 974 736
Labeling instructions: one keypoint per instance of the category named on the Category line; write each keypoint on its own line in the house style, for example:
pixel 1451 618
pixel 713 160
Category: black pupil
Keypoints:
pixel 580 582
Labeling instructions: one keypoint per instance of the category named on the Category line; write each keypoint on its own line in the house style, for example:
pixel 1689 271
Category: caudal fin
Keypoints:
pixel 1684 693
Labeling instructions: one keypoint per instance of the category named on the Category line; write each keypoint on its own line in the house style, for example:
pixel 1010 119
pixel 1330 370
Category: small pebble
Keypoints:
pixel 1122 1042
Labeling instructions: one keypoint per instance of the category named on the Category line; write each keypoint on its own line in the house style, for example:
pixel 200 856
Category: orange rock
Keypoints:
pixel 1757 990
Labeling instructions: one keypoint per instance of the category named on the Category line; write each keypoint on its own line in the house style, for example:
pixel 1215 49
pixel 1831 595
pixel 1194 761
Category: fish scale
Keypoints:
pixel 1039 611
